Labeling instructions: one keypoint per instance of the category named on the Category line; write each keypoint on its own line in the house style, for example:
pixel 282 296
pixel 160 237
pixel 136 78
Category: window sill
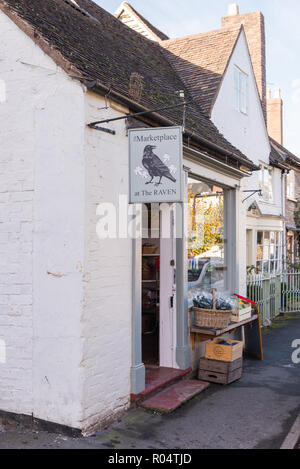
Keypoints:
pixel 291 199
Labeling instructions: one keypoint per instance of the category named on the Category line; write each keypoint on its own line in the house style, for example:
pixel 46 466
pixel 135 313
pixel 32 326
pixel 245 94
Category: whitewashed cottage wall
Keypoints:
pixel 106 323
pixel 41 232
pixel 248 133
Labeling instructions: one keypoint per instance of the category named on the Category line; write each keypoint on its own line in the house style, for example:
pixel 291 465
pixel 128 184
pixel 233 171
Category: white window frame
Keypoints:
pixel 290 185
pixel 241 80
pixel 271 251
pixel 266 183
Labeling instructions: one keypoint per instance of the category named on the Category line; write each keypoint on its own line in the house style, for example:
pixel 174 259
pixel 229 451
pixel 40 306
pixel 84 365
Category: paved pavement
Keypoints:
pixel 255 412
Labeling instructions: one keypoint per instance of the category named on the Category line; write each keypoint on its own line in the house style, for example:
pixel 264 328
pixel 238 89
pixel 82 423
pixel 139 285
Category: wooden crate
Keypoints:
pixel 241 314
pixel 214 350
pixel 220 372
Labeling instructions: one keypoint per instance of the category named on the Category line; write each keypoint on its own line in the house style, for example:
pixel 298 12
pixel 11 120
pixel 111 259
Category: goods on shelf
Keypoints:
pixel 217 311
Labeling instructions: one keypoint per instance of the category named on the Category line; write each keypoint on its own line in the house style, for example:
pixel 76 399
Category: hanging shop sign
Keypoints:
pixel 155 165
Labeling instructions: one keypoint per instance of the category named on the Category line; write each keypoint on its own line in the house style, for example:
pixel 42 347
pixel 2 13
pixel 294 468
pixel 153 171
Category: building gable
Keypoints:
pixel 201 60
pixel 134 20
pixel 247 130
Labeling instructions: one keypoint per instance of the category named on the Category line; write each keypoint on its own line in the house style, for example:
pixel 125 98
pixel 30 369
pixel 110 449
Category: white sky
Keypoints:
pixel 182 17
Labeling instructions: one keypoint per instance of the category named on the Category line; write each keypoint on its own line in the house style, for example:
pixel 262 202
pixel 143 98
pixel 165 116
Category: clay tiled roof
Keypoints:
pixel 201 61
pixel 97 47
pixel 282 157
pixel 159 35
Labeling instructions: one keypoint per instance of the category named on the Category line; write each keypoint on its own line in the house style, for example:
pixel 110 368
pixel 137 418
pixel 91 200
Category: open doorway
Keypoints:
pixel 158 286
pixel 150 284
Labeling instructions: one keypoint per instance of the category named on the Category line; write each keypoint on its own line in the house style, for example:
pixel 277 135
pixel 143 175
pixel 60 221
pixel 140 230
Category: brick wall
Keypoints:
pixel 275 117
pixel 254 25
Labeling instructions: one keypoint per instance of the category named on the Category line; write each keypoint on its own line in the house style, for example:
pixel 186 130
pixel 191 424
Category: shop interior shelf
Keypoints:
pixel 217 332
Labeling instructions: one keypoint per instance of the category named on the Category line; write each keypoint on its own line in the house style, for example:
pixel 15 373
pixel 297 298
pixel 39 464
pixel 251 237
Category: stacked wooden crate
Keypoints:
pixel 223 362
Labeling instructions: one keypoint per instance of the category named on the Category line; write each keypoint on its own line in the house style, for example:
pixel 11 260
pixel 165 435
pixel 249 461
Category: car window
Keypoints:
pixel 195 269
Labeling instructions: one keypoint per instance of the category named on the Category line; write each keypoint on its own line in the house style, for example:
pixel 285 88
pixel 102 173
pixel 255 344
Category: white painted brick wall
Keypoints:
pixel 65 296
pixel 41 230
pixel 108 270
pixel 16 214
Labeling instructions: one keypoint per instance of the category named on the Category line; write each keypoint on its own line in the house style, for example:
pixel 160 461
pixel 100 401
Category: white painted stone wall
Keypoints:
pixel 106 323
pixel 247 133
pixel 42 187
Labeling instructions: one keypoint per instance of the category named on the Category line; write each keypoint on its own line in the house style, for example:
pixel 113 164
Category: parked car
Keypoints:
pixel 206 273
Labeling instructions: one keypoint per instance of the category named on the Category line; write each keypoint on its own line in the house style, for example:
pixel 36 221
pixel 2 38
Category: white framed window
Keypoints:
pixel 291 185
pixel 269 252
pixel 266 183
pixel 240 91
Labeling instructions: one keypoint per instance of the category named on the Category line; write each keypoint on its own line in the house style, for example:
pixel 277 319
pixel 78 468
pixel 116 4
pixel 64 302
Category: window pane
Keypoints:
pixel 260 235
pixel 236 90
pixel 267 238
pixel 240 91
pixel 259 253
pixel 265 267
pixel 205 236
pixel 291 184
pixel 266 253
pixel 270 184
pixel 243 92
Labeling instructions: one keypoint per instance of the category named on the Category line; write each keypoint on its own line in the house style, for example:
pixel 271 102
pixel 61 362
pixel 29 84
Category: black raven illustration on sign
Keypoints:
pixel 154 166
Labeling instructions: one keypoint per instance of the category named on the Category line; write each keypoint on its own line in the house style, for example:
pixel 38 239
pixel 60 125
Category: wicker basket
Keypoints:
pixel 212 318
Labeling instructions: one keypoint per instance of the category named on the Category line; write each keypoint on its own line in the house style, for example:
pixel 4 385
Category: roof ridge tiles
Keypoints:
pixel 202 34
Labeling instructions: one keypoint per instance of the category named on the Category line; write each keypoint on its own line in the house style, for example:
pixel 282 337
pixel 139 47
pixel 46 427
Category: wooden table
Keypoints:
pixel 253 336
pixel 217 332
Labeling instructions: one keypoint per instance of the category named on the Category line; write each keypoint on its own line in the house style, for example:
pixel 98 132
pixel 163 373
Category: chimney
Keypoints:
pixel 233 9
pixel 254 25
pixel 274 115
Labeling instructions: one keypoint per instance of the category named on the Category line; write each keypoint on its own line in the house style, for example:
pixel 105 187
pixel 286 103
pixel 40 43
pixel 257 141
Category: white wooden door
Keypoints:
pixel 167 323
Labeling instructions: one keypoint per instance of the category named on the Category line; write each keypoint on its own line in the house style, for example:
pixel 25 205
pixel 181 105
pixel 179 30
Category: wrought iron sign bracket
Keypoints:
pixel 102 129
pixel 252 192
pixel 95 126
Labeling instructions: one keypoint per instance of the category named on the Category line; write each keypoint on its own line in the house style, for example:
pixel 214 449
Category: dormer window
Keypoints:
pixel 266 183
pixel 240 91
